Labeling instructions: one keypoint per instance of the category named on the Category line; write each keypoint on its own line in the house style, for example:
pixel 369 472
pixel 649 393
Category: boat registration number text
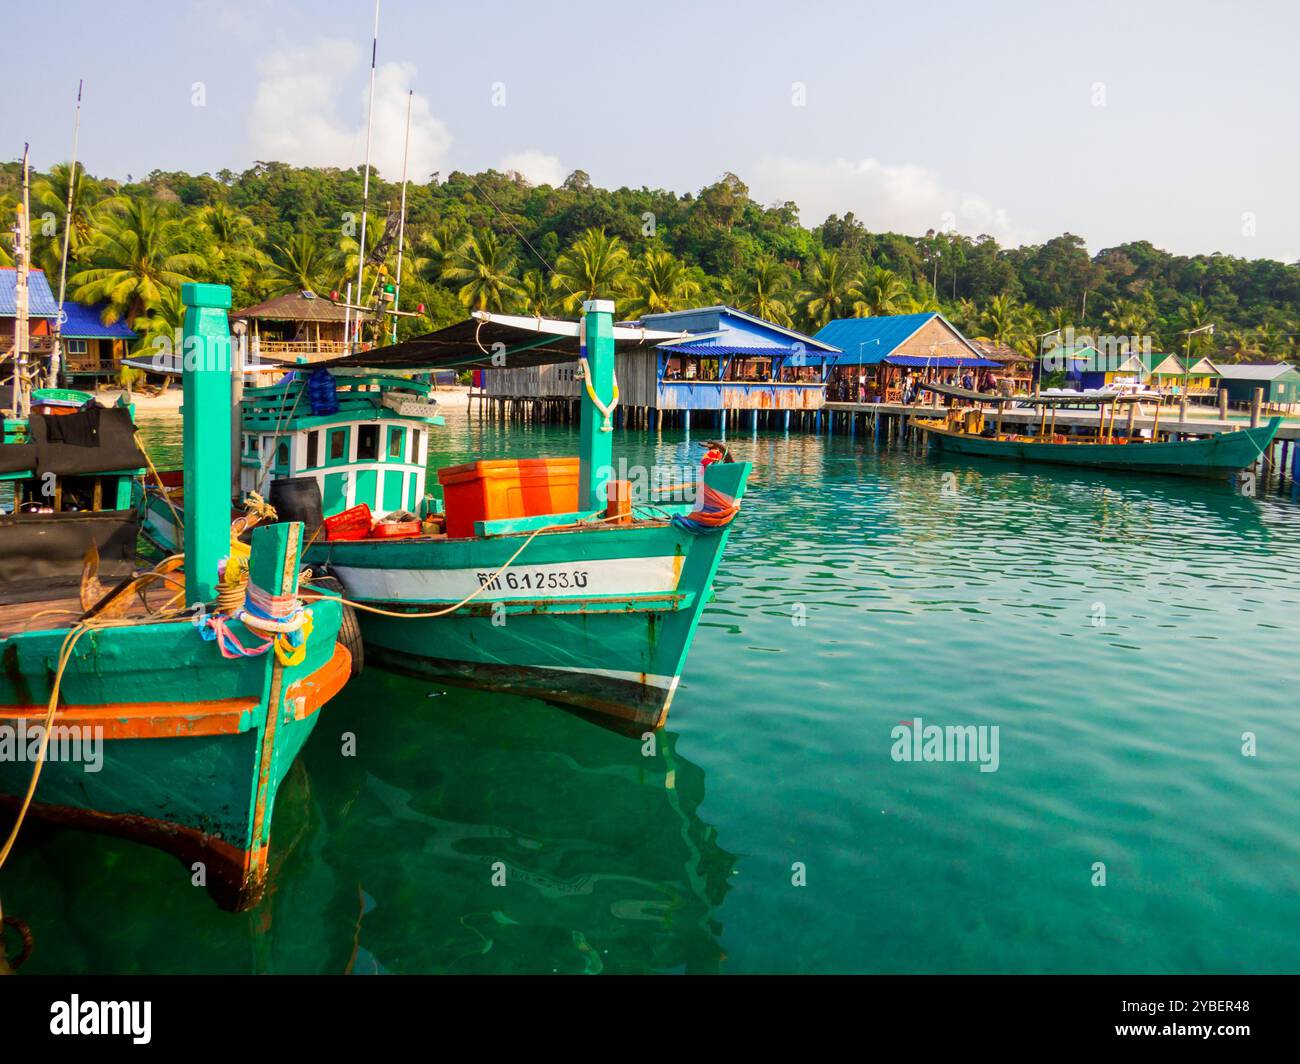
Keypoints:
pixel 535 580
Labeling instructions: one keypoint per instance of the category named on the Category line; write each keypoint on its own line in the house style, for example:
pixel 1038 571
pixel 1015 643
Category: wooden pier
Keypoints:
pixel 893 421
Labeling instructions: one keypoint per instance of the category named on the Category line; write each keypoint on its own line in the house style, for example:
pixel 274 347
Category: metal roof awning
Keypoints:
pixel 941 361
pixel 475 342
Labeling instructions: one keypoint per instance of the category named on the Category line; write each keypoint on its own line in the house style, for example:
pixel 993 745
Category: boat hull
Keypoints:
pixel 1211 456
pixel 192 764
pixel 615 646
pixel 599 617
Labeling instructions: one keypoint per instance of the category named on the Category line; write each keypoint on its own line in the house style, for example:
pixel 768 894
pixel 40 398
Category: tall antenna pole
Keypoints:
pixel 401 224
pixel 22 336
pixel 56 353
pixel 365 193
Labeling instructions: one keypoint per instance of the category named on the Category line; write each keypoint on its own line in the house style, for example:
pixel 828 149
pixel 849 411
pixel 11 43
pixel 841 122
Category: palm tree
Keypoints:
pixel 877 292
pixel 1241 344
pixel 764 292
pixel 1268 340
pixel 923 300
pixel 535 296
pixel 484 271
pixel 301 265
pixel 827 293
pixel 50 196
pixel 8 209
pixel 594 267
pixel 163 321
pixel 999 320
pixel 1128 317
pixel 136 253
pixel 236 239
pixel 440 246
pixel 659 283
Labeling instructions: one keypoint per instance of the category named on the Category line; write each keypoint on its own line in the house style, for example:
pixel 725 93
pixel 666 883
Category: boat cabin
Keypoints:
pixel 363 438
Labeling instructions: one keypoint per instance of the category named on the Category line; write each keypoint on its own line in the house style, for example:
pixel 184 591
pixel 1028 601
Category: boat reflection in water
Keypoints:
pixel 530 841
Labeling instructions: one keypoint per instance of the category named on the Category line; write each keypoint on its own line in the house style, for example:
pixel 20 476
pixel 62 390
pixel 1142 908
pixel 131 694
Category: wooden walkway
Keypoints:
pixel 1169 421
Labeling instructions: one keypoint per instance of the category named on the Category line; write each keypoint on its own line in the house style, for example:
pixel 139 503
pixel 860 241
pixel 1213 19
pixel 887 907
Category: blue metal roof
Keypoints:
pixel 728 331
pixel 40 300
pixel 83 323
pixel 868 341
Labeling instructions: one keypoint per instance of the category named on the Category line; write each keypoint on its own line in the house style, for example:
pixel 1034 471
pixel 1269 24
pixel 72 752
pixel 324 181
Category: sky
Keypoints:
pixel 1116 121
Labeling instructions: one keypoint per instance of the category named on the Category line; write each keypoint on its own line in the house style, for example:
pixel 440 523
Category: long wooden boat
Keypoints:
pixel 968 432
pixel 165 727
pixel 568 603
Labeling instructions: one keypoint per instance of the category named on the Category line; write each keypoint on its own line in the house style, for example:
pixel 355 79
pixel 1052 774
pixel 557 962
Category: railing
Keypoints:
pixel 294 348
pixel 740 395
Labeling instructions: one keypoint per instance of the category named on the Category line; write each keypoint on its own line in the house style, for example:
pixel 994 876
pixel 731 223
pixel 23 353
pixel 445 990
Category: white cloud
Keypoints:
pixel 297 117
pixel 903 198
pixel 537 167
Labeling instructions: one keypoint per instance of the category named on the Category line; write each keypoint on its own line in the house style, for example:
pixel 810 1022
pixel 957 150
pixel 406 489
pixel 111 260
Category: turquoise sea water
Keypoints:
pixel 1121 632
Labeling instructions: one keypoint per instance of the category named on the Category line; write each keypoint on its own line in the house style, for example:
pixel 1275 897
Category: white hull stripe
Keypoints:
pixel 649 679
pixel 603 578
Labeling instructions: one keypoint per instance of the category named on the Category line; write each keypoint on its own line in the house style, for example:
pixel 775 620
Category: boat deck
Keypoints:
pixel 58 611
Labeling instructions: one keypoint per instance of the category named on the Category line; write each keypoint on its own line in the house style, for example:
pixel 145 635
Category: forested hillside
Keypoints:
pixel 493 241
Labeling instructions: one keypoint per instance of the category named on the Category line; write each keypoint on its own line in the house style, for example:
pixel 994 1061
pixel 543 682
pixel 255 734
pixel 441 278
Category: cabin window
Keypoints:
pixel 338 445
pixel 250 443
pixel 313 449
pixel 282 455
pixel 396 443
pixel 415 446
pixel 76 347
pixel 367 443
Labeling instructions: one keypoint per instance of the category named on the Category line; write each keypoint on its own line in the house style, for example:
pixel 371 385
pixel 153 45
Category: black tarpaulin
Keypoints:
pixel 93 439
pixel 43 552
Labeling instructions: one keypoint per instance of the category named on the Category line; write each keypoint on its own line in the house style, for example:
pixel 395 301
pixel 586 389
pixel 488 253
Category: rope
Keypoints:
pixel 712 516
pixel 180 525
pixel 65 655
pixel 606 411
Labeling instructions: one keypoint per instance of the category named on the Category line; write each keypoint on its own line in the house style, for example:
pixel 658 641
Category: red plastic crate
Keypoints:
pixel 350 524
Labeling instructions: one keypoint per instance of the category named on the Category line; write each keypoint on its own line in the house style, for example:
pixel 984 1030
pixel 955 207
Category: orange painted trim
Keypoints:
pixel 306 695
pixel 145 720
pixel 181 720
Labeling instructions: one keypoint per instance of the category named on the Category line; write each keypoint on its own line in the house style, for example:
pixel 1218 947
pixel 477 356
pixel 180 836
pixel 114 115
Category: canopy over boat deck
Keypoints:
pixel 707 359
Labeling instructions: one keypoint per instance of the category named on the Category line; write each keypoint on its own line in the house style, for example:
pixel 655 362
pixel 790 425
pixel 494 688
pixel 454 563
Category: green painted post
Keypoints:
pixel 596 447
pixel 206 360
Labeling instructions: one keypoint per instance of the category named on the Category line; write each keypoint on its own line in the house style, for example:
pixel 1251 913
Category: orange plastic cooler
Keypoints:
pixel 510 487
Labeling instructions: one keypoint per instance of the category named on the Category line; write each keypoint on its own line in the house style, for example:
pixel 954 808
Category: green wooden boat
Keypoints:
pixel 573 607
pixel 158 733
pixel 968 432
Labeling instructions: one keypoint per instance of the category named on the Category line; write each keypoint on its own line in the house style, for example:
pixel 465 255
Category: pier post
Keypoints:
pixel 207 428
pixel 1256 404
pixel 595 447
pixel 1223 404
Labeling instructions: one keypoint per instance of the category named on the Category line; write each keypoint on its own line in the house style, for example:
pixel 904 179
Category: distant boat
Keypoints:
pixel 967 432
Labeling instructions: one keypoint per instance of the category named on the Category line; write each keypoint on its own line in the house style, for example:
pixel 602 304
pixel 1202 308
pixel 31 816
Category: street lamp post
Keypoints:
pixel 1187 366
